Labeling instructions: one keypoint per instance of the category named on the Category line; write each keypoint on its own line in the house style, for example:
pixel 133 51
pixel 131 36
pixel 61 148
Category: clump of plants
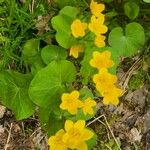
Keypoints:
pixel 88 38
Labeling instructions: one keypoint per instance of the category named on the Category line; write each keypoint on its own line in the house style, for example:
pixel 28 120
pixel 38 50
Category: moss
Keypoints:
pixel 137 80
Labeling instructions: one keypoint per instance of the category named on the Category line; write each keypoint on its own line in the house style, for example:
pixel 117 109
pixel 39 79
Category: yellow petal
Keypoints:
pixel 87 134
pixel 96 78
pixel 73 110
pixel 96 8
pixel 100 41
pixel 88 111
pixel 68 125
pixel 79 125
pixel 115 101
pixel 64 96
pixel 106 101
pixel 82 146
pixel 107 54
pixel 112 96
pixel 97 25
pixel 101 60
pixel 56 142
pixel 75 50
pixel 51 140
pixel 78 28
pixel 75 94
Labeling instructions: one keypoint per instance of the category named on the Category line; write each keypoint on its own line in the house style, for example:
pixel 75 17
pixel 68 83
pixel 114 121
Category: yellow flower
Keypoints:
pixel 56 142
pixel 96 8
pixel 101 60
pixel 100 41
pixel 97 25
pixel 104 80
pixel 88 105
pixel 112 96
pixel 74 51
pixel 78 28
pixel 71 102
pixel 76 135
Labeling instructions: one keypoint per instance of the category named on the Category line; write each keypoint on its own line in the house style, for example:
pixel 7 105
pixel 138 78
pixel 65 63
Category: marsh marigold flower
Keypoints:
pixel 112 96
pixel 75 50
pixel 78 28
pixel 104 80
pixel 76 135
pixel 56 143
pixel 96 9
pixel 100 41
pixel 88 105
pixel 71 102
pixel 97 25
pixel 101 60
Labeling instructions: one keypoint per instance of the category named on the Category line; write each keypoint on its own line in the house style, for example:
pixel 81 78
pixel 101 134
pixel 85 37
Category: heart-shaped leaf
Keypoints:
pixel 62 25
pixel 53 52
pixel 15 93
pixel 131 9
pixel 31 50
pixel 50 82
pixel 129 42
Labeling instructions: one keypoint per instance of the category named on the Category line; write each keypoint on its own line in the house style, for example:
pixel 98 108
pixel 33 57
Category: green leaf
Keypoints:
pixel 63 3
pixel 131 10
pixel 86 70
pixel 31 50
pixel 62 25
pixel 37 65
pixel 53 52
pixel 129 42
pixel 92 142
pixel 50 82
pixel 146 1
pixel 50 121
pixel 85 93
pixel 15 93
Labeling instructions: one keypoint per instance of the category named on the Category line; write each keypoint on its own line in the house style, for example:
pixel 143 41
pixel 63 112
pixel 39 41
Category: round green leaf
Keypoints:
pixel 128 42
pixel 51 81
pixel 30 50
pixel 131 10
pixel 50 121
pixel 62 24
pixel 15 93
pixel 53 52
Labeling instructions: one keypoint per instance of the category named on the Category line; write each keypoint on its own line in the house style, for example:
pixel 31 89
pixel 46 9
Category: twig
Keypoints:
pixel 111 132
pixel 128 74
pixel 108 147
pixel 35 132
pixel 8 138
pixel 105 127
pixel 94 120
pixel 108 126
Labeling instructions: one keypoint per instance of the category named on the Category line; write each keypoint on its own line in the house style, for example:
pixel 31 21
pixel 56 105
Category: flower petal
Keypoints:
pixel 75 94
pixel 68 125
pixel 64 96
pixel 87 134
pixel 79 125
pixel 82 146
